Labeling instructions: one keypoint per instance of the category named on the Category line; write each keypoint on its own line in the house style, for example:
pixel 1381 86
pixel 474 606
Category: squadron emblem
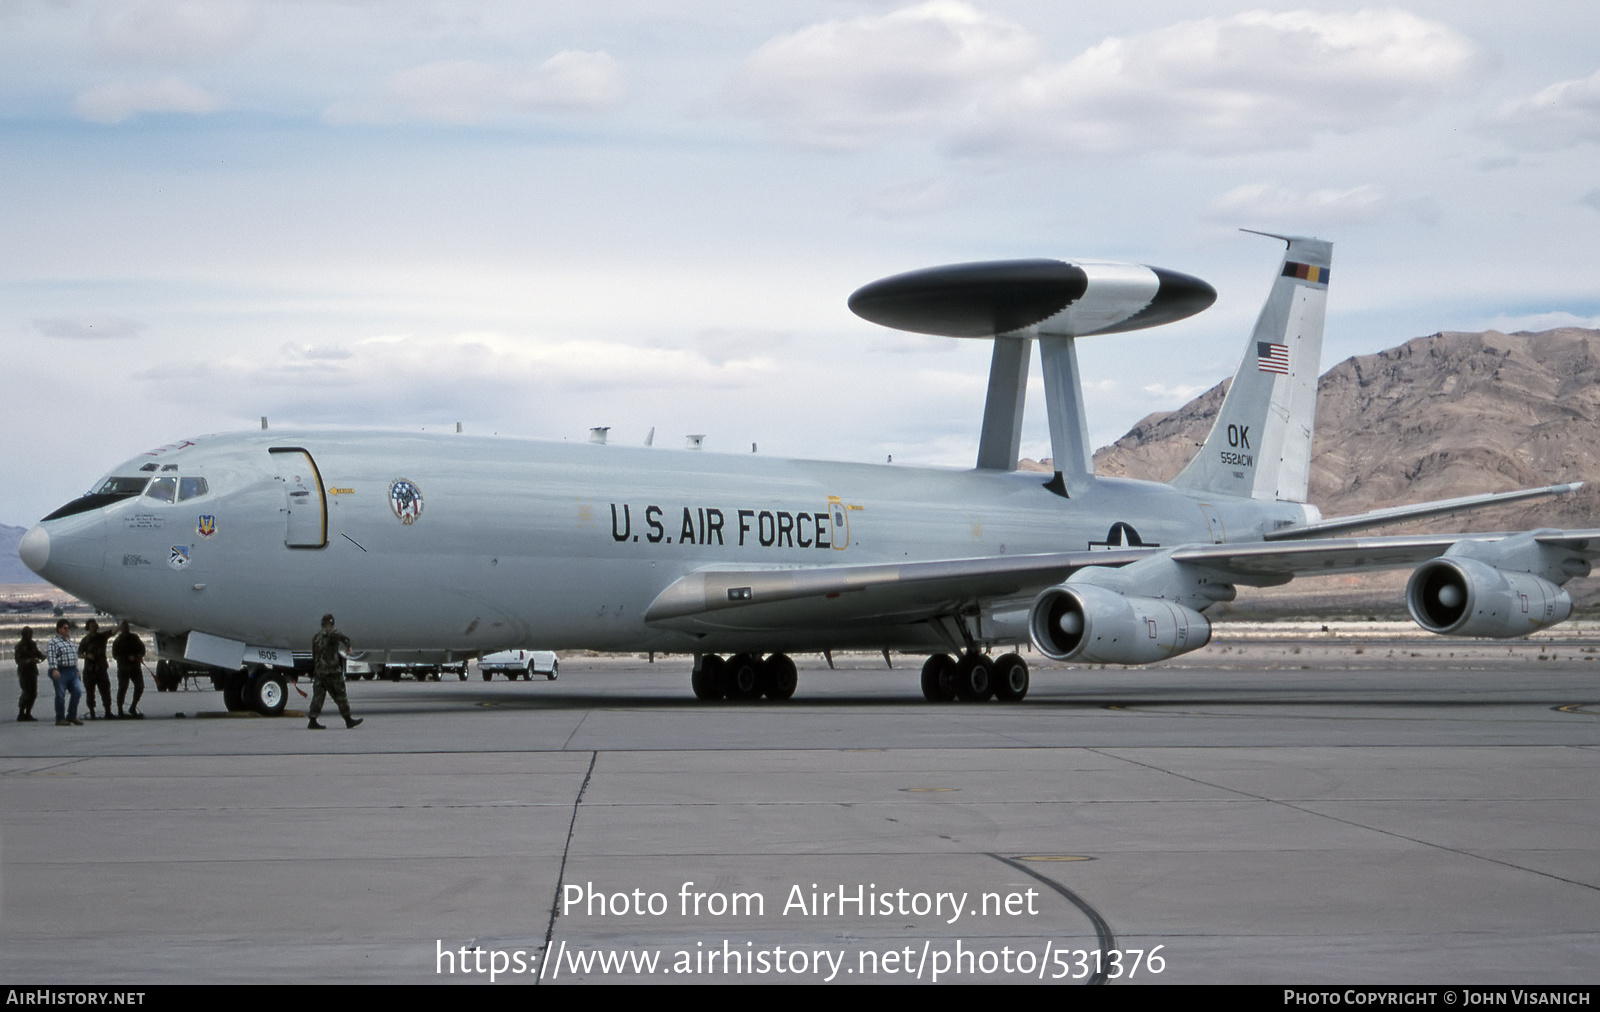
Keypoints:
pixel 206 525
pixel 179 559
pixel 405 498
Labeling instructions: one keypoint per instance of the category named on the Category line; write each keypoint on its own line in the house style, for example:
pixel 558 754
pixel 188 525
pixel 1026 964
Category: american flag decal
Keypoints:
pixel 1305 272
pixel 1272 357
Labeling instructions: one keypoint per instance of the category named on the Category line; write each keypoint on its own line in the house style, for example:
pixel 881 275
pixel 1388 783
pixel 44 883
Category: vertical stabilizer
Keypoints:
pixel 1260 446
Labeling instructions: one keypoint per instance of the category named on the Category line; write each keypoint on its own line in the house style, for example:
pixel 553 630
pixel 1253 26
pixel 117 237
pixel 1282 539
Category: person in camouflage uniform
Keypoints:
pixel 328 649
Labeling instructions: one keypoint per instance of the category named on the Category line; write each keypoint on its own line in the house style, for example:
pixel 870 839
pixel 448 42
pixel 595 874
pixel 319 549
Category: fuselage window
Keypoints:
pixel 191 488
pixel 162 490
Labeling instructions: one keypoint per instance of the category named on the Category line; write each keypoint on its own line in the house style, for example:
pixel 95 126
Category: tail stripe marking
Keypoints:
pixel 1305 272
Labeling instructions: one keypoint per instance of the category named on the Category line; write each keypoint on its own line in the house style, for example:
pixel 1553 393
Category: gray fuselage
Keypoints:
pixel 469 545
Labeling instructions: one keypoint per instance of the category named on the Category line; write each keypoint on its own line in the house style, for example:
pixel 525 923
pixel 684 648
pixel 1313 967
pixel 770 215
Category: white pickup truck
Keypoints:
pixel 516 664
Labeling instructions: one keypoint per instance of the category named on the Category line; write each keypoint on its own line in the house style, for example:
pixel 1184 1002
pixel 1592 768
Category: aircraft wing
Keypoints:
pixel 907 591
pixel 916 591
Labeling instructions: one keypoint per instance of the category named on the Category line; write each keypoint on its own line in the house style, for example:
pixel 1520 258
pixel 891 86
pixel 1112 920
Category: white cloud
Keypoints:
pixel 1180 393
pixel 1565 113
pixel 906 200
pixel 719 346
pixel 369 378
pixel 1536 322
pixel 87 327
pixel 1266 204
pixel 459 92
pixel 121 100
pixel 1254 81
pixel 840 84
pixel 177 31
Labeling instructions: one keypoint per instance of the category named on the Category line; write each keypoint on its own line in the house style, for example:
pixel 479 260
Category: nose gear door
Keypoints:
pixel 305 501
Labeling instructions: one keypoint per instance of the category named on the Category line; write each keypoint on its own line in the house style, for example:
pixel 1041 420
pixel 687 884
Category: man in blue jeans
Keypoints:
pixel 62 658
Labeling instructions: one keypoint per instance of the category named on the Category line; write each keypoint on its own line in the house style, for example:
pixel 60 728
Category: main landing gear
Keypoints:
pixel 973 677
pixel 744 677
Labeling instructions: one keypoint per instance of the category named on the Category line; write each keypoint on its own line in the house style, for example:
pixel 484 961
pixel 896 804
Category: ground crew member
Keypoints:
pixel 128 649
pixel 27 655
pixel 329 647
pixel 96 670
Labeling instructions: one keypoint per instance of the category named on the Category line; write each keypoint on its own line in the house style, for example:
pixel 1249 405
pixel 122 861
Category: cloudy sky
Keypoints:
pixel 535 218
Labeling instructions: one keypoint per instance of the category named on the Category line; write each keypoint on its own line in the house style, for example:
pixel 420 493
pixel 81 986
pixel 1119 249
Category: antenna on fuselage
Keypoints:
pixel 1015 302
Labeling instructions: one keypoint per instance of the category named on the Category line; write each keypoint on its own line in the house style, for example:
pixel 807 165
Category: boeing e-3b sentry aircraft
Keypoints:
pixel 444 546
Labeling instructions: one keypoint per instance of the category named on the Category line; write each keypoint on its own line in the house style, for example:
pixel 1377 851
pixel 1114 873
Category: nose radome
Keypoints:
pixel 35 549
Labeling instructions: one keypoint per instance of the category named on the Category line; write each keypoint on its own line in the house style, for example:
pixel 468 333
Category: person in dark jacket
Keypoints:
pixel 27 655
pixel 96 670
pixel 128 649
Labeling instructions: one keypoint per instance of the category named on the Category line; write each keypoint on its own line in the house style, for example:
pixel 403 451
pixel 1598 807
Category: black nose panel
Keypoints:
pixel 973 300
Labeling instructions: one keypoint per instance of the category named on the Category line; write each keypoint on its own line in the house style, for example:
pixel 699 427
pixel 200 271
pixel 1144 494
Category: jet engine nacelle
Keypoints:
pixel 1083 622
pixel 1468 597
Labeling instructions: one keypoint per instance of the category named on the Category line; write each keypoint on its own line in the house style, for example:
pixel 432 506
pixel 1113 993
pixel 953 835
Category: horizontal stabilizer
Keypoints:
pixel 1416 511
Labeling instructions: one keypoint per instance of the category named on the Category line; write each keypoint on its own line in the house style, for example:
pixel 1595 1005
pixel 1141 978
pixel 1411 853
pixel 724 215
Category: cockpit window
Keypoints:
pixel 162 490
pixel 148 467
pixel 169 467
pixel 190 488
pixel 122 486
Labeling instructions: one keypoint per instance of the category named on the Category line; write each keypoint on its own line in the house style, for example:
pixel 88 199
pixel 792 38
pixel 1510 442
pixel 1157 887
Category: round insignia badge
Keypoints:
pixel 405 498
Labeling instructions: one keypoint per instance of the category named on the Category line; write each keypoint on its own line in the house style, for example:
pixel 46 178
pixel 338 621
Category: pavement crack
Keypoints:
pixel 568 743
pixel 1105 937
pixel 561 875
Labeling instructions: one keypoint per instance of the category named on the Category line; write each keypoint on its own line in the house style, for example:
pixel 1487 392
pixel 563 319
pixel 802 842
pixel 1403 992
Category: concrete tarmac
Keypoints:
pixel 1263 816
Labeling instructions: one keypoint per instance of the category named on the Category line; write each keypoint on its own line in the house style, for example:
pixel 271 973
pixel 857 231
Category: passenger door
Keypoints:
pixel 305 502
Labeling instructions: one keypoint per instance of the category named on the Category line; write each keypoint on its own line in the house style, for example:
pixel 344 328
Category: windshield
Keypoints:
pixel 122 486
pixel 162 490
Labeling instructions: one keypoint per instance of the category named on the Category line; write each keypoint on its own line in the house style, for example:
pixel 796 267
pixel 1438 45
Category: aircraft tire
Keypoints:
pixel 707 678
pixel 1010 678
pixel 938 679
pixel 268 693
pixel 233 686
pixel 741 679
pixel 487 675
pixel 974 679
pixel 780 677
